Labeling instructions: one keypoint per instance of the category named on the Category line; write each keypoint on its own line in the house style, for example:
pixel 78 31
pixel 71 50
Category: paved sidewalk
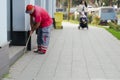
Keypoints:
pixel 73 54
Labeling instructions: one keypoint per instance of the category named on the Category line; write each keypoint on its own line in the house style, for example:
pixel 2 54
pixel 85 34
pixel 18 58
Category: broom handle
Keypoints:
pixel 27 40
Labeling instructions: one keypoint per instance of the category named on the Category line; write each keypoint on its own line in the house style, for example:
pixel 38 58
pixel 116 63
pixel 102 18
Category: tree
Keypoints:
pixel 118 3
pixel 75 2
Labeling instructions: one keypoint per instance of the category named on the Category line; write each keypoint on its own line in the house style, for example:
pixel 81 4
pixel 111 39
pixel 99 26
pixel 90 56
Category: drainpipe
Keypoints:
pixel 11 19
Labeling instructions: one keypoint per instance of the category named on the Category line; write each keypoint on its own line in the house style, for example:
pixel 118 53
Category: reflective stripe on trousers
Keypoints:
pixel 43 36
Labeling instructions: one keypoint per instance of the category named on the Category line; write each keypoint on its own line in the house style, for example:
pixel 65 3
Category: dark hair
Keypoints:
pixel 84 3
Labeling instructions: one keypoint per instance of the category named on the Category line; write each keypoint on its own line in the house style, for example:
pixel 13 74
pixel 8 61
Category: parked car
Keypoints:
pixel 106 14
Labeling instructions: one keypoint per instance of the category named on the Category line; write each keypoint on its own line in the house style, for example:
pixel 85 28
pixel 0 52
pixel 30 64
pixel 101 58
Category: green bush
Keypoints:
pixel 65 16
pixel 89 18
pixel 77 18
pixel 114 26
pixel 95 20
pixel 71 16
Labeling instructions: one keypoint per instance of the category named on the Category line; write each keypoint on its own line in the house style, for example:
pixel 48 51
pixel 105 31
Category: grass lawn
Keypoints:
pixel 114 33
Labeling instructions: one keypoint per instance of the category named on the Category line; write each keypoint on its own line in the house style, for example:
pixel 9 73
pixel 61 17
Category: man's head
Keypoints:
pixel 29 9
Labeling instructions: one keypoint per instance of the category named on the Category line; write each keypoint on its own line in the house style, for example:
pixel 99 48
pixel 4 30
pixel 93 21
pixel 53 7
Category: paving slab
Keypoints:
pixel 73 54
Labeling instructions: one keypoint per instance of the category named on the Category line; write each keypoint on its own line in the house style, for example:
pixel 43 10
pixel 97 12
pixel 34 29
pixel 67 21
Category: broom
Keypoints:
pixel 25 48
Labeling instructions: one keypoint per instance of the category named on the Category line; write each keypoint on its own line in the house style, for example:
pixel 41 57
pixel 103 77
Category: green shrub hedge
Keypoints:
pixel 89 18
pixel 114 26
pixel 95 20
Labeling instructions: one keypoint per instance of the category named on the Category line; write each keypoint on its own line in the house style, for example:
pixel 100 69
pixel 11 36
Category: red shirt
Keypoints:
pixel 42 16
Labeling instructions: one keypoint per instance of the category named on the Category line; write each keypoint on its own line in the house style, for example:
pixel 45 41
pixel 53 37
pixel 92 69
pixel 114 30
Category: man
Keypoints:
pixel 40 20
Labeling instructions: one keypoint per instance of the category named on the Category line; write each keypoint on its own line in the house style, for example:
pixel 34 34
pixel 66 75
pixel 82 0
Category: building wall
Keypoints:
pixel 18 15
pixel 3 22
pixel 49 5
pixel 53 7
pixel 19 28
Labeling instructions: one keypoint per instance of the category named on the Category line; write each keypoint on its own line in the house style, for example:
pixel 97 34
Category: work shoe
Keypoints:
pixel 35 51
pixel 39 52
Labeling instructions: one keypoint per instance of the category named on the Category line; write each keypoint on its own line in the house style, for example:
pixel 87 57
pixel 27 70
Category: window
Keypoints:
pixel 107 10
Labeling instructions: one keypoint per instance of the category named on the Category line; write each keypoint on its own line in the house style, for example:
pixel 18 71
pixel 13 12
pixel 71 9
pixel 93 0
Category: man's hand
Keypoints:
pixel 31 32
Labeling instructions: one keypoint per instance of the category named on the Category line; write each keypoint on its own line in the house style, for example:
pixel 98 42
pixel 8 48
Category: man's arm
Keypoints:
pixel 34 25
pixel 31 21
